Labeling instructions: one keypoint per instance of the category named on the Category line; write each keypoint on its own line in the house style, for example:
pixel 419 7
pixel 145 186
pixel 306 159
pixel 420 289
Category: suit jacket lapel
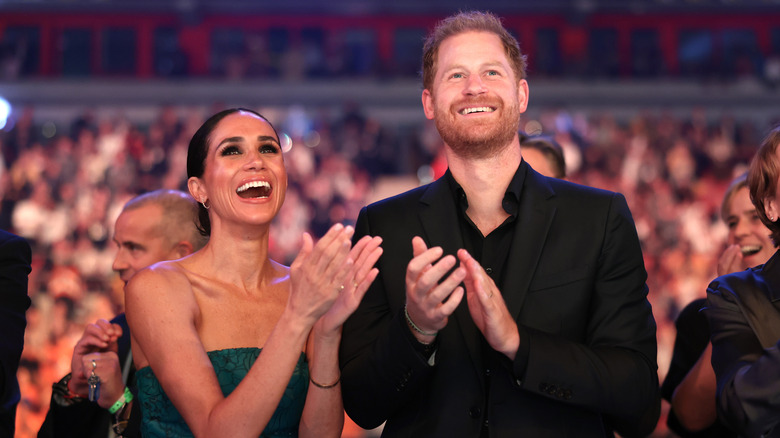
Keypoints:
pixel 533 223
pixel 439 217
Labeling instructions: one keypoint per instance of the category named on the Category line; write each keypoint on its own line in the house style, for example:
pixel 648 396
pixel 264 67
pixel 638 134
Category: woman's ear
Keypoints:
pixel 770 208
pixel 196 189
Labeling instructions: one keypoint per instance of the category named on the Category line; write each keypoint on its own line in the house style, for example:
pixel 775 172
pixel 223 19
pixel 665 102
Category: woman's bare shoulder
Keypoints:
pixel 171 271
pixel 162 284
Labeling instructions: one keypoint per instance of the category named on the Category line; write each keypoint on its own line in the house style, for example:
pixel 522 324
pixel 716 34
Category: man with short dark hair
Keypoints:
pixel 544 155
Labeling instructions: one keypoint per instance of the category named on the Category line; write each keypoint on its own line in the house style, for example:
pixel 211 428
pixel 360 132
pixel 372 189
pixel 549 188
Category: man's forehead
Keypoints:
pixel 457 50
pixel 138 224
pixel 478 37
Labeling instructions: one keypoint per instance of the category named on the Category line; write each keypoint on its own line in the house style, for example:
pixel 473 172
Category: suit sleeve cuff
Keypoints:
pixel 520 363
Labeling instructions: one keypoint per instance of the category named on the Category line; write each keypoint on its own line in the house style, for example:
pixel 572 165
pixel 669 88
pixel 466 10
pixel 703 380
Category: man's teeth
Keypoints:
pixel 479 109
pixel 251 184
pixel 748 250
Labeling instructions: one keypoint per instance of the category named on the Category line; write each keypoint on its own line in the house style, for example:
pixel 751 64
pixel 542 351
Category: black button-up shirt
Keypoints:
pixel 491 252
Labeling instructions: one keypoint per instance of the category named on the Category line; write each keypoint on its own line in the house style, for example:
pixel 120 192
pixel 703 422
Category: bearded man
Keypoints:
pixel 555 336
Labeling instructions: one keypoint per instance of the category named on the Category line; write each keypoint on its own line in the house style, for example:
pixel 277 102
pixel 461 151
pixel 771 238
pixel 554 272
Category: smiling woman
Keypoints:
pixel 213 331
pixel 257 146
pixel 748 238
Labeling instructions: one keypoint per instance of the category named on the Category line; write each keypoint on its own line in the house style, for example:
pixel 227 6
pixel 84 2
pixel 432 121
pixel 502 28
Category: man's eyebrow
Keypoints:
pixel 453 67
pixel 490 64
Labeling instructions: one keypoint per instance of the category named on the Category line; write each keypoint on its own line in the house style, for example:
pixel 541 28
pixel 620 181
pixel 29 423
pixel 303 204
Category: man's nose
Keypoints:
pixel 475 85
pixel 120 263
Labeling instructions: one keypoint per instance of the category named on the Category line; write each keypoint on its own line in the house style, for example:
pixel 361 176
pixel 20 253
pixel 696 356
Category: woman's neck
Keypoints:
pixel 239 255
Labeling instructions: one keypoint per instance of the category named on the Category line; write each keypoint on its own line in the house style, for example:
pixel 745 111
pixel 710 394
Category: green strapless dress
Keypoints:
pixel 161 419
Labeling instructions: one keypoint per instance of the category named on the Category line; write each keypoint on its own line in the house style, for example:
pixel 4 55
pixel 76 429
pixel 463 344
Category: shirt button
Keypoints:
pixel 487 372
pixel 475 412
pixel 489 271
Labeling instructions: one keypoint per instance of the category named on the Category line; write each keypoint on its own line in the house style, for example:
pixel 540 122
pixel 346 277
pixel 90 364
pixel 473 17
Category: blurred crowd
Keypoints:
pixel 63 187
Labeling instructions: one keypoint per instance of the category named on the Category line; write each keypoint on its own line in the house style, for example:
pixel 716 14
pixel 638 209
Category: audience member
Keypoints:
pixel 15 259
pixel 227 341
pixel 155 226
pixel 690 383
pixel 544 155
pixel 744 321
pixel 555 335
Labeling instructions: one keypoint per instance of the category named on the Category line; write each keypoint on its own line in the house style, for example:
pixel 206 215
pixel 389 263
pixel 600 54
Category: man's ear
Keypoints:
pixel 522 95
pixel 182 249
pixel 427 103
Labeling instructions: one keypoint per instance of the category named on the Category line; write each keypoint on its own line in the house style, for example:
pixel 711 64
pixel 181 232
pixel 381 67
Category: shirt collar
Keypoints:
pixel 511 202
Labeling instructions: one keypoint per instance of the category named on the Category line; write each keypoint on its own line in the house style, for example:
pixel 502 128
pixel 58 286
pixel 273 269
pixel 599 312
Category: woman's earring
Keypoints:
pixel 203 203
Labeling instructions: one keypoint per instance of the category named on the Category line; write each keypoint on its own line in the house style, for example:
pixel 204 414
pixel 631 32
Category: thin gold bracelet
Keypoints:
pixel 320 385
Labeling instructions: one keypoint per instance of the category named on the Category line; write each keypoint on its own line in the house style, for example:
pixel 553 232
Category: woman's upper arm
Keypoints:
pixel 161 313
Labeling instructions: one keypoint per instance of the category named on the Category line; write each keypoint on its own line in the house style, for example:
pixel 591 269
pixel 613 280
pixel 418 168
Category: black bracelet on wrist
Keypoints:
pixel 121 419
pixel 62 395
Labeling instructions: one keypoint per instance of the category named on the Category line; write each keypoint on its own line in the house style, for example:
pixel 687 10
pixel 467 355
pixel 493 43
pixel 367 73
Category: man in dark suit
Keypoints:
pixel 156 226
pixel 15 259
pixel 555 336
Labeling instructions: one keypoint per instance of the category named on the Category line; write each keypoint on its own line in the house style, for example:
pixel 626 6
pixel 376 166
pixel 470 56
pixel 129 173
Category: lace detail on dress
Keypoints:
pixel 161 419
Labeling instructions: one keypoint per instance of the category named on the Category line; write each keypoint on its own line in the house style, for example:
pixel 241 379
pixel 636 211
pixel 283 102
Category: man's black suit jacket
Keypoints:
pixel 84 419
pixel 15 259
pixel 743 310
pixel 575 282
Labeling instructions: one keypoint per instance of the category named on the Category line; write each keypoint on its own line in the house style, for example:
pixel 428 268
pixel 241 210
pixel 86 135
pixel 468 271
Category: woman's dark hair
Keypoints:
pixel 549 148
pixel 199 148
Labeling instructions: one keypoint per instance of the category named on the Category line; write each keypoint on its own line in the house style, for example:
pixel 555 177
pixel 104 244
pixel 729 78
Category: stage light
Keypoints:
pixel 5 111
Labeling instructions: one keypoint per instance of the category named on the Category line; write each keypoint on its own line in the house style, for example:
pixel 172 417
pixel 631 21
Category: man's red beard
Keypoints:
pixel 475 139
